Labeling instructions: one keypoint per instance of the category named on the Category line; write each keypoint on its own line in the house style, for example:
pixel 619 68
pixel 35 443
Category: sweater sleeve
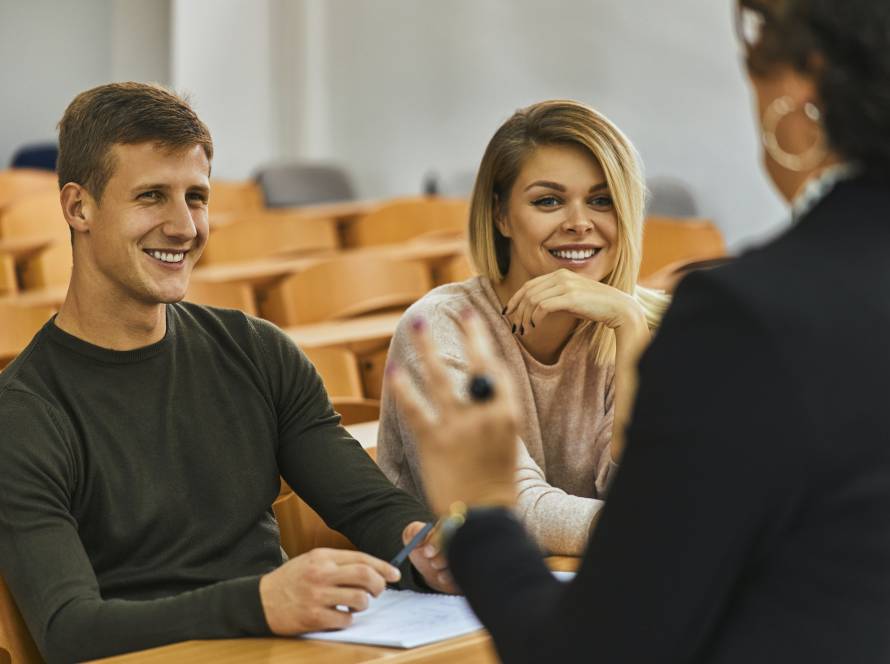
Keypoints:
pixel 692 498
pixel 558 521
pixel 50 575
pixel 325 465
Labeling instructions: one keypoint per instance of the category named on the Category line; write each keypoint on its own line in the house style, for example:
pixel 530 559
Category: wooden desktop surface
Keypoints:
pixel 264 270
pixel 473 648
pixel 348 332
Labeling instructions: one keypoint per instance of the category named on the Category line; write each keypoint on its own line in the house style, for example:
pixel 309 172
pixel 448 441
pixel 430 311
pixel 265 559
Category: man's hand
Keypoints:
pixel 429 561
pixel 302 595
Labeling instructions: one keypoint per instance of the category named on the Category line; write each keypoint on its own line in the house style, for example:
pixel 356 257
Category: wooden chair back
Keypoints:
pixel 39 215
pixel 36 214
pixel 261 234
pixel 16 644
pixel 234 196
pixel 339 371
pixel 19 325
pixel 226 294
pixel 404 219
pixel 453 270
pixel 356 410
pixel 667 240
pixel 18 182
pixel 345 287
pixel 372 363
pixel 8 280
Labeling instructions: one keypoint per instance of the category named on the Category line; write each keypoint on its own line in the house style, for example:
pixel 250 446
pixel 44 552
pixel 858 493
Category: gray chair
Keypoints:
pixel 298 183
pixel 670 197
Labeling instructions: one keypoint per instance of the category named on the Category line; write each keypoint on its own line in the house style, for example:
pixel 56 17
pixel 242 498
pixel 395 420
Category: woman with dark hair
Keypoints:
pixel 750 519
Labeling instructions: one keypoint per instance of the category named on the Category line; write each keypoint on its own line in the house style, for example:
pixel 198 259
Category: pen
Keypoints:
pixel 410 546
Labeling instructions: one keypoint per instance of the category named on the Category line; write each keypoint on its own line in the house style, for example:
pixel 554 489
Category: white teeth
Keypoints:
pixel 574 254
pixel 167 257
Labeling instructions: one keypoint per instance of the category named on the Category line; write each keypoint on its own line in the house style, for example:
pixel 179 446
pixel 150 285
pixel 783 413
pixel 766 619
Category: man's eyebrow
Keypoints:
pixel 147 186
pixel 547 184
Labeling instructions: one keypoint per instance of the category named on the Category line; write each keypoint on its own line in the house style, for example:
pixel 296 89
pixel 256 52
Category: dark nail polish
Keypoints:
pixel 521 330
pixel 514 329
pixel 504 311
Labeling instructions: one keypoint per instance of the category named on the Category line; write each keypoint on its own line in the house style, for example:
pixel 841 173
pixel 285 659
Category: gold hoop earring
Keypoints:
pixel 774 114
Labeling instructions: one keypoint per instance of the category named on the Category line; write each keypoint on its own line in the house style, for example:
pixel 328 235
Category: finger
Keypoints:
pixel 411 405
pixel 438 382
pixel 522 316
pixel 330 618
pixel 532 313
pixel 345 557
pixel 351 598
pixel 517 297
pixel 411 530
pixel 359 577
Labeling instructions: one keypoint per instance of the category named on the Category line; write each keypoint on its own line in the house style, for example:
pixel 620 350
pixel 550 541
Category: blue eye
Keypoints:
pixel 601 202
pixel 546 201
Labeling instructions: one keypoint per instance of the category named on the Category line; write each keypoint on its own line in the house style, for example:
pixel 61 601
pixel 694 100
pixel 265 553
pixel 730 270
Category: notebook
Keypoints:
pixel 407 619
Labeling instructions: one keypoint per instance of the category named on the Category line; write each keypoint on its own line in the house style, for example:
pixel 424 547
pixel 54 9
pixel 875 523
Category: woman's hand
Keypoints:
pixel 467 448
pixel 429 560
pixel 569 292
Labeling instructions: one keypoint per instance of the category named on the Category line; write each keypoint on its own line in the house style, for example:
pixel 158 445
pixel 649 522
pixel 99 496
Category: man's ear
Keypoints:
pixel 500 217
pixel 77 206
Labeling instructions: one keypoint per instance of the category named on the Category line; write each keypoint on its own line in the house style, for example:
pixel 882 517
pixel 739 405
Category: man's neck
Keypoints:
pixel 111 323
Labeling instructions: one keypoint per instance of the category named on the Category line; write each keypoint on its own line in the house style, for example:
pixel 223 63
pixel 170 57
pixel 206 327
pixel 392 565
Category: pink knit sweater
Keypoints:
pixel 564 462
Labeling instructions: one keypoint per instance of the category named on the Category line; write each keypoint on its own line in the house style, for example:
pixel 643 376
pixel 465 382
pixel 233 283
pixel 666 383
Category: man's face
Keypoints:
pixel 150 227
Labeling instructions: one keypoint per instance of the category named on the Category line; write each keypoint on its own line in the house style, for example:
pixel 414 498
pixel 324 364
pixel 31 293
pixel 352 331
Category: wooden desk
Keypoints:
pixel 470 649
pixel 352 333
pixel 365 433
pixel 265 271
pixel 22 248
pixel 473 648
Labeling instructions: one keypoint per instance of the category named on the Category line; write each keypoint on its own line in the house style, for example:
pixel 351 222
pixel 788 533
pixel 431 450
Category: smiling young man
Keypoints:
pixel 143 437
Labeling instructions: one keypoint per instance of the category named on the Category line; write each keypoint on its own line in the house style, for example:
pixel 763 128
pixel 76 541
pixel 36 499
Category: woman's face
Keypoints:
pixel 560 214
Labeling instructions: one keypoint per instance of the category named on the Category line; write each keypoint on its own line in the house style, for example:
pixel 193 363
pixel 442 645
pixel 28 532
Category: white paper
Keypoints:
pixel 406 619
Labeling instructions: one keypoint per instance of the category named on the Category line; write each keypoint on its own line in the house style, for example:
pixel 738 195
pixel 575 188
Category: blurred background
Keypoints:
pixel 404 94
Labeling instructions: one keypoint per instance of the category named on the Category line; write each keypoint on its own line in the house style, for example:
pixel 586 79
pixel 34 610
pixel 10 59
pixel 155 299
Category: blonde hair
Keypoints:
pixel 564 122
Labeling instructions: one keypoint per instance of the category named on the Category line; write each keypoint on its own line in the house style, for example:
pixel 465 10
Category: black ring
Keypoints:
pixel 481 388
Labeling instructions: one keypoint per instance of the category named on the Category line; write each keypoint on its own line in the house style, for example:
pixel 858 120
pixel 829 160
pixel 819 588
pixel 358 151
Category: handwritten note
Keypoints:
pixel 406 619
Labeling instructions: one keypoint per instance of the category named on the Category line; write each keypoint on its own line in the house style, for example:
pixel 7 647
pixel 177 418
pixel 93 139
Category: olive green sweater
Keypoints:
pixel 135 486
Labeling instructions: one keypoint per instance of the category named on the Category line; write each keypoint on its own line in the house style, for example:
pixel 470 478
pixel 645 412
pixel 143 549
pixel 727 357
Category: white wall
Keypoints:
pixel 222 58
pixel 395 88
pixel 49 52
pixel 52 50
pixel 422 85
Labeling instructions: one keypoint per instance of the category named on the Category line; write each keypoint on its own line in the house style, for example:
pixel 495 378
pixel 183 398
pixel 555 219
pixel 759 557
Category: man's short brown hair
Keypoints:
pixel 125 113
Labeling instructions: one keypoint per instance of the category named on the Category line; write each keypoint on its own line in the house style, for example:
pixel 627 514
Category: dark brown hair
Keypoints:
pixel 124 113
pixel 846 46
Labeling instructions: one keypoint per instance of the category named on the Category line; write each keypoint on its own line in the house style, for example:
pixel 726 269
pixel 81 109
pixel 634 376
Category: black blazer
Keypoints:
pixel 750 520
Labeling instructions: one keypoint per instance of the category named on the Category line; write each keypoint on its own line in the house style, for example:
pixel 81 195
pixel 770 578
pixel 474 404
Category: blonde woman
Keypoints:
pixel 555 233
